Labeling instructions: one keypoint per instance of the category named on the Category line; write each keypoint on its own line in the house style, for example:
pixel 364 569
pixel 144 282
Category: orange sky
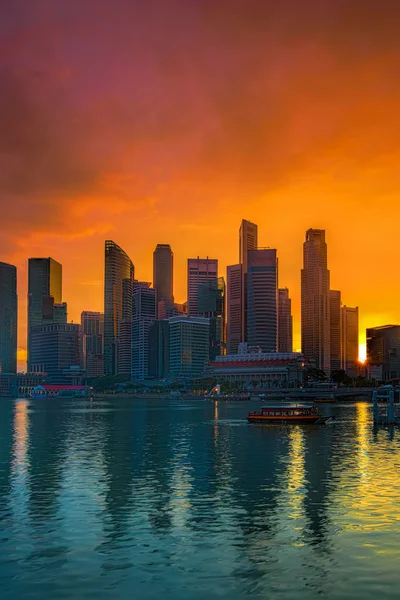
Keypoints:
pixel 169 122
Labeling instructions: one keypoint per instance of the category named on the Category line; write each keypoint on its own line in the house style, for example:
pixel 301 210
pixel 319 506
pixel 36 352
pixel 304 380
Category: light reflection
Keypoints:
pixel 216 428
pixel 296 472
pixel 21 438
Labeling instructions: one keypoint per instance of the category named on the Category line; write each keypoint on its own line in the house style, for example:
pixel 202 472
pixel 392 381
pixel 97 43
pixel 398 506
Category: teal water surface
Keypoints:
pixel 173 499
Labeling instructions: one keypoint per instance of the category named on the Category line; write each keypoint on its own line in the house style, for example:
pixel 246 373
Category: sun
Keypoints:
pixel 362 353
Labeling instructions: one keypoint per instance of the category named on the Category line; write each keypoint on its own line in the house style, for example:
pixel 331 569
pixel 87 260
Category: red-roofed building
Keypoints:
pixel 265 369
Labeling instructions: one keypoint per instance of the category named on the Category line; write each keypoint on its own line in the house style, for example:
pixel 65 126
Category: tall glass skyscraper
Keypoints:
pixel 262 299
pixel 8 318
pixel 163 273
pixel 144 313
pixel 335 304
pixel 44 289
pixel 211 304
pixel 285 321
pixel 199 270
pixel 118 267
pixel 315 313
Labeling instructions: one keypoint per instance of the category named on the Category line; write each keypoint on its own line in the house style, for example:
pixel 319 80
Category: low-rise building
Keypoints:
pixel 262 369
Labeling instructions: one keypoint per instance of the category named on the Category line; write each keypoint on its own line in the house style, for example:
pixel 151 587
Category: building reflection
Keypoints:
pixel 6 446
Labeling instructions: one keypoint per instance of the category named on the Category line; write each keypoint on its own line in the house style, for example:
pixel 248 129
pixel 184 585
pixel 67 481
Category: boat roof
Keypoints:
pixel 283 405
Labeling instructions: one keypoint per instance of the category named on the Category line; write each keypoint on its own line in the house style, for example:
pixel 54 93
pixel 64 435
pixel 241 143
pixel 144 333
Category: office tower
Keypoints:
pixel 199 270
pixel 349 357
pixel 262 299
pixel 335 304
pixel 118 267
pixel 159 349
pixel 55 349
pixel 211 304
pixel 92 330
pixel 163 274
pixel 285 321
pixel 125 329
pixel 44 284
pixel 383 352
pixel 8 318
pixel 188 346
pixel 234 308
pixel 315 317
pixel 248 240
pixel 144 313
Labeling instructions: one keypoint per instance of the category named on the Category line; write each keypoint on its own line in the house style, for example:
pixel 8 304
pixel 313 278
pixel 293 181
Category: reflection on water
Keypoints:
pixel 122 498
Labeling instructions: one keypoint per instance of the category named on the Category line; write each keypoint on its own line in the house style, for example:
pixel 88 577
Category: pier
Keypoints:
pixel 385 411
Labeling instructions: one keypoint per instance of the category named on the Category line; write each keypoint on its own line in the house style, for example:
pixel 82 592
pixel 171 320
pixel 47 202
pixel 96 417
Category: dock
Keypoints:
pixel 385 411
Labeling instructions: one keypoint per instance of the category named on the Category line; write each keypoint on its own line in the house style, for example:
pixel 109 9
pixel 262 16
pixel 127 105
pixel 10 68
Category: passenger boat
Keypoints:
pixel 289 413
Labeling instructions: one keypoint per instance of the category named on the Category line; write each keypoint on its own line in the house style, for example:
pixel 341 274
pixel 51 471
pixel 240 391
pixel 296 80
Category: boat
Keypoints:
pixel 288 413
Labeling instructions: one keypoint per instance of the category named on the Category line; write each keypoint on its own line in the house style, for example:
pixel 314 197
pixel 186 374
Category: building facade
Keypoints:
pixel 262 299
pixel 285 321
pixel 248 240
pixel 144 313
pixel 199 271
pixel 211 304
pixel 163 274
pixel 335 312
pixel 159 349
pixel 350 332
pixel 55 350
pixel 118 267
pixel 260 369
pixel 92 331
pixel 315 313
pixel 44 290
pixel 188 346
pixel 383 352
pixel 234 308
pixel 8 318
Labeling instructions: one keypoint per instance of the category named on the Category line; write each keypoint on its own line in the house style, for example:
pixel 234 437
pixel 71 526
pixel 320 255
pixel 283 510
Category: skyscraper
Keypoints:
pixel 285 321
pixel 211 304
pixel 199 270
pixel 262 299
pixel 55 349
pixel 188 346
pixel 125 329
pixel 335 329
pixel 315 315
pixel 163 274
pixel 118 267
pixel 158 367
pixel 92 329
pixel 383 352
pixel 248 240
pixel 234 308
pixel 8 318
pixel 144 313
pixel 349 355
pixel 44 284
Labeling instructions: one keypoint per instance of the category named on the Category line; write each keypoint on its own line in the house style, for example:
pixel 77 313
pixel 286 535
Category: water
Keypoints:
pixel 184 500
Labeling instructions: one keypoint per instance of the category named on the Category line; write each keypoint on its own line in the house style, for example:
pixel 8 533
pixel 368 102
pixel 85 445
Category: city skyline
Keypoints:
pixel 74 314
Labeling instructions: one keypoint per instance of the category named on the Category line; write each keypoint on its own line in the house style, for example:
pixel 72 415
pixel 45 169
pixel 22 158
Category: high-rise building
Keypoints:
pixel 285 321
pixel 199 271
pixel 44 290
pixel 262 299
pixel 159 349
pixel 188 346
pixel 55 349
pixel 118 267
pixel 92 330
pixel 163 273
pixel 125 329
pixel 349 353
pixel 335 304
pixel 234 308
pixel 144 313
pixel 211 304
pixel 248 240
pixel 383 352
pixel 315 315
pixel 8 318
